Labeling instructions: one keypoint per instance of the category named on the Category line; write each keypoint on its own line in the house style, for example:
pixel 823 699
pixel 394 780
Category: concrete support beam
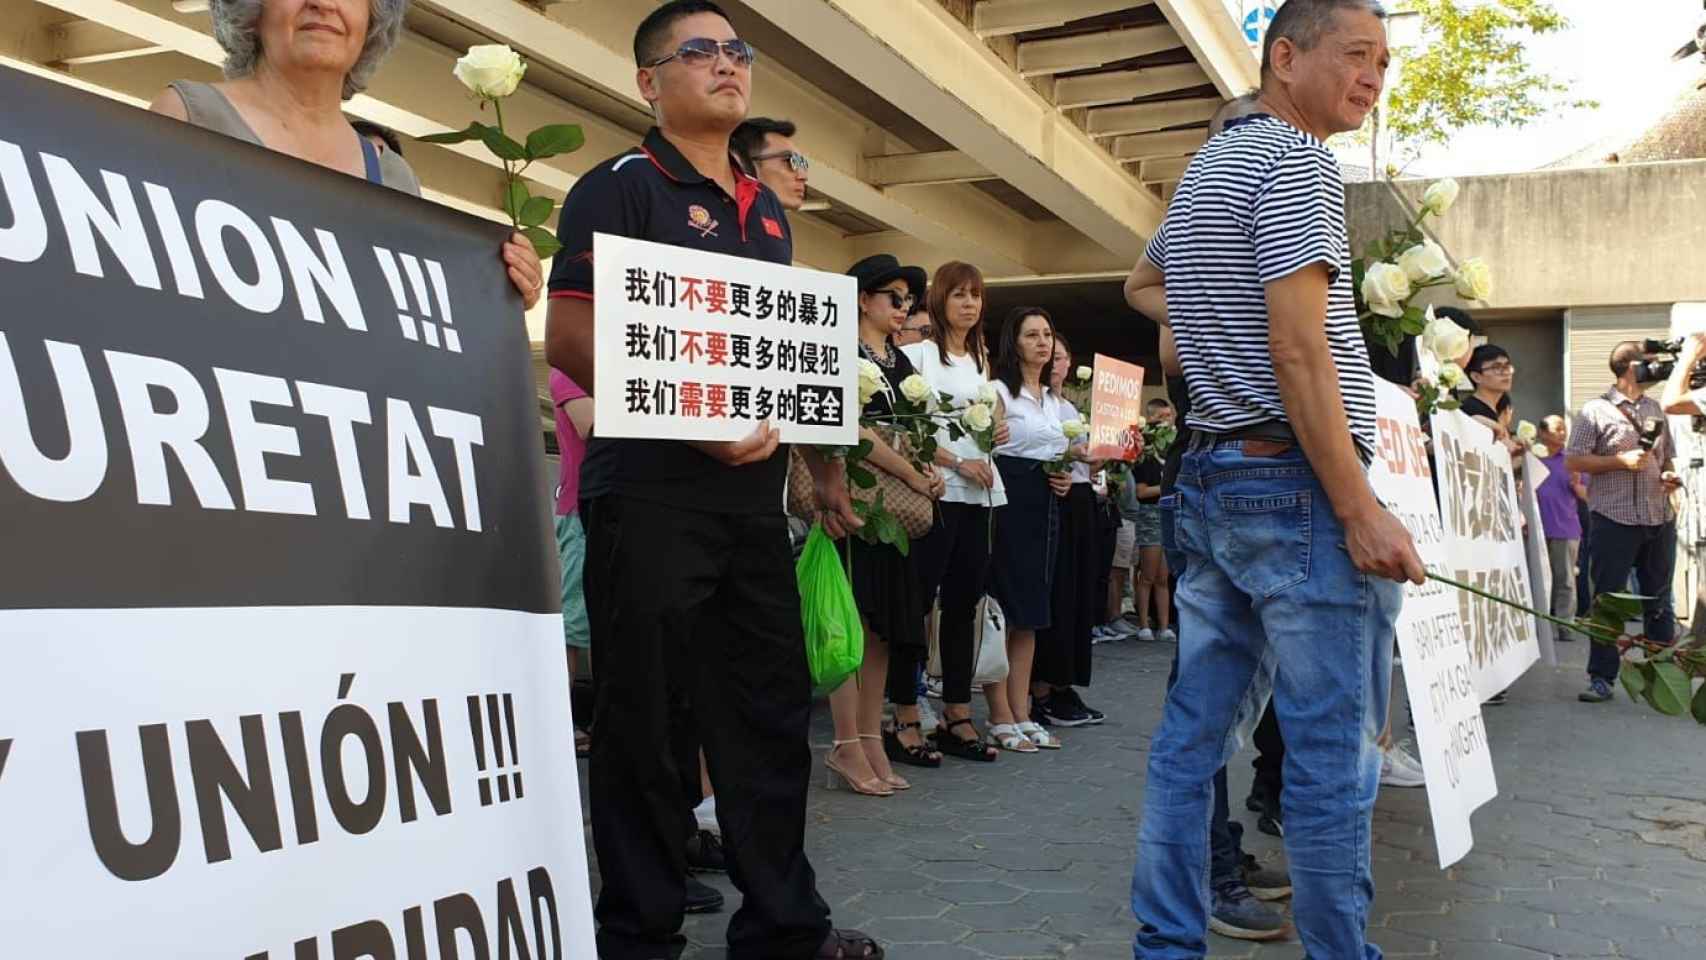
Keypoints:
pixel 1043 57
pixel 1217 43
pixel 999 18
pixel 920 56
pixel 919 169
pixel 1170 143
pixel 1118 86
pixel 1166 170
pixel 85 41
pixel 1149 117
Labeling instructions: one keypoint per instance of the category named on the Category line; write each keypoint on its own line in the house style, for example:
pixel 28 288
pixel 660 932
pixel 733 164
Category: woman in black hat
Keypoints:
pixel 885 582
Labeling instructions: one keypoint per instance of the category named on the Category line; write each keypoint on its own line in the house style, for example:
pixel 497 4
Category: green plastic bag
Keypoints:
pixel 835 641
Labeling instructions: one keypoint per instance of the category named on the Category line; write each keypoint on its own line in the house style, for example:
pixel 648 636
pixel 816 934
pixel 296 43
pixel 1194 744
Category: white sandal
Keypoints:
pixel 1009 737
pixel 1039 736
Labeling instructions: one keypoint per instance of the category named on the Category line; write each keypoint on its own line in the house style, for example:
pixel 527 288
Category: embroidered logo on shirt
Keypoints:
pixel 773 228
pixel 700 219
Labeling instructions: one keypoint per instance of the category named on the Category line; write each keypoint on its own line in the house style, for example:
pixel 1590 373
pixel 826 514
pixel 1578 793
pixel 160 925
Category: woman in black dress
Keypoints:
pixel 885 581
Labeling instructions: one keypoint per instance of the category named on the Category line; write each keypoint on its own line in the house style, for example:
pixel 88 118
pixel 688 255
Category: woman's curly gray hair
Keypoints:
pixel 236 25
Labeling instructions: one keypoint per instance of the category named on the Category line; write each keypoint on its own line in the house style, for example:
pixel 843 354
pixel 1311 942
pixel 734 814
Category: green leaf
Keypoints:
pixel 553 139
pixel 1633 681
pixel 1699 707
pixel 536 211
pixel 543 242
pixel 864 448
pixel 861 477
pixel 1671 693
pixel 515 197
pixel 500 144
pixel 1615 610
pixel 473 131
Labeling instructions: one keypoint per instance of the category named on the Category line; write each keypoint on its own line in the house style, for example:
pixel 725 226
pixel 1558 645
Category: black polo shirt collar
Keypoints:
pixel 673 165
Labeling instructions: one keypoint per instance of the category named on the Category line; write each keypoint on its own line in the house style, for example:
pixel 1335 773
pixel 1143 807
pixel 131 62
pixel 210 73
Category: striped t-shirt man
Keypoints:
pixel 1258 203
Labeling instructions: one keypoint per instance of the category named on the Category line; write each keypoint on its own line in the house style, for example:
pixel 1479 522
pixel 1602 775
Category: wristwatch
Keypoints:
pixel 959 462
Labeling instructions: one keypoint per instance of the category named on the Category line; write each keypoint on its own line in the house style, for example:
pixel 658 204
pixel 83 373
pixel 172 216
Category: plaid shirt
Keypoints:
pixel 1601 429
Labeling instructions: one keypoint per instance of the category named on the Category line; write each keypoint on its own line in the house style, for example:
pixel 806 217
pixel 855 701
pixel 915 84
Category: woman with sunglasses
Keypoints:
pixel 953 558
pixel 885 581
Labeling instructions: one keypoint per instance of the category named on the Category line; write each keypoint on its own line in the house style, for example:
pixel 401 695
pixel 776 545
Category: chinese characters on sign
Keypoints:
pixel 702 346
pixel 1484 548
pixel 1116 401
pixel 1450 737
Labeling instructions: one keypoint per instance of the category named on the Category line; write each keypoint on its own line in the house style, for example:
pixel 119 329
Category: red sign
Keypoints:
pixel 1116 403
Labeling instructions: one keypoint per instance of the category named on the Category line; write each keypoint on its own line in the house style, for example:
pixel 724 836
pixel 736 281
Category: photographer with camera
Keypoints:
pixel 1622 440
pixel 1685 394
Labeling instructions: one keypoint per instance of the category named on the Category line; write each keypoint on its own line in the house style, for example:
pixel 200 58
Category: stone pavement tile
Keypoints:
pixel 962 870
pixel 1607 890
pixel 1612 926
pixel 993 918
pixel 1054 857
pixel 1466 921
pixel 920 931
pixel 1441 888
pixel 975 892
pixel 1019 946
pixel 1117 923
pixel 938 951
pixel 883 881
pixel 1059 881
pixel 1068 904
pixel 1551 901
pixel 1400 943
pixel 1556 941
pixel 1657 950
pixel 903 906
pixel 1101 950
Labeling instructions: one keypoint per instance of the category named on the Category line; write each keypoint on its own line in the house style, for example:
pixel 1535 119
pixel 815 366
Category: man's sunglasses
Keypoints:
pixel 797 161
pixel 702 51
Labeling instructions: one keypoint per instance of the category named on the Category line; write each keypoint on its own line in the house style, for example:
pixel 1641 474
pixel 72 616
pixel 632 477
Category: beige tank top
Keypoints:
pixel 210 109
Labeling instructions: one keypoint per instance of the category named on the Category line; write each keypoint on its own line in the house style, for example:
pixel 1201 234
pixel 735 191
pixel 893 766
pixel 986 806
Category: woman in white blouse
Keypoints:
pixel 1026 530
pixel 953 558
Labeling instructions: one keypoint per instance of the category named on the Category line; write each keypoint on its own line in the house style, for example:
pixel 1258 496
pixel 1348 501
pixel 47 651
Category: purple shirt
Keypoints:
pixel 570 444
pixel 1557 502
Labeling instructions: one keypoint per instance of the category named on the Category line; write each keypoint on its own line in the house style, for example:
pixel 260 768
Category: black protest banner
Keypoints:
pixel 227 377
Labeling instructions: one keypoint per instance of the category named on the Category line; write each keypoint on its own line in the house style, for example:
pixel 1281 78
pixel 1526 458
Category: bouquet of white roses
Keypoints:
pixel 1405 262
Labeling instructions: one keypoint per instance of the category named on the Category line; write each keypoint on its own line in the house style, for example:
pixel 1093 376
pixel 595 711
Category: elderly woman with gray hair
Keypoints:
pixel 289 67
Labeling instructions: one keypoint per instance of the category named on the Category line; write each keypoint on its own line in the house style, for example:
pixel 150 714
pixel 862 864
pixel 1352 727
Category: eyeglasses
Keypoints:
pixel 898 300
pixel 1498 368
pixel 703 51
pixel 797 161
pixel 922 329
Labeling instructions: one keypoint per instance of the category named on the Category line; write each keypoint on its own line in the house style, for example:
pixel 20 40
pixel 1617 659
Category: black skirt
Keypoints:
pixel 886 589
pixel 1063 650
pixel 1026 533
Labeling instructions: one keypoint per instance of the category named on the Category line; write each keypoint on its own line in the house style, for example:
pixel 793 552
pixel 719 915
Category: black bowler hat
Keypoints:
pixel 882 268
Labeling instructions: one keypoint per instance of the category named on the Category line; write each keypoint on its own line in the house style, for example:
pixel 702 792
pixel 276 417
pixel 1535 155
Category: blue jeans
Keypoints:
pixel 1268 595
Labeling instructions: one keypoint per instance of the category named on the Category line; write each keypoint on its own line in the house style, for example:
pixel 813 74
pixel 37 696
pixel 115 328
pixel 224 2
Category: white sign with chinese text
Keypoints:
pixel 702 346
pixel 1534 473
pixel 1485 549
pixel 1450 737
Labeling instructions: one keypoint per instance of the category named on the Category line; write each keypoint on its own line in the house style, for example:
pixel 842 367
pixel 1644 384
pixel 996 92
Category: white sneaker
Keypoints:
pixel 706 815
pixel 1100 635
pixel 1395 773
pixel 1167 635
pixel 1123 628
pixel 1145 634
pixel 1401 753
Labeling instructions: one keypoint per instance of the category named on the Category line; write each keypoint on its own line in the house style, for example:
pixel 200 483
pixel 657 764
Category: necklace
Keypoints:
pixel 887 359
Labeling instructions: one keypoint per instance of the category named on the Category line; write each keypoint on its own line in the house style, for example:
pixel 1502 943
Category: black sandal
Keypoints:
pixel 919 755
pixel 849 945
pixel 976 749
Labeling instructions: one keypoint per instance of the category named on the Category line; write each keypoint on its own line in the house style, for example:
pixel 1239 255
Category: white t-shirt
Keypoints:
pixel 1033 426
pixel 960 379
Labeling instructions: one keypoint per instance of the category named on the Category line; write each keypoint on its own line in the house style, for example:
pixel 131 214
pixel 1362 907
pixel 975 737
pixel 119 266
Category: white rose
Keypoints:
pixel 986 394
pixel 1475 280
pixel 1084 373
pixel 1451 376
pixel 1141 423
pixel 1444 339
pixel 490 70
pixel 1539 450
pixel 1439 196
pixel 870 380
pixel 915 389
pixel 1525 432
pixel 1385 287
pixel 1424 262
pixel 1073 429
pixel 977 418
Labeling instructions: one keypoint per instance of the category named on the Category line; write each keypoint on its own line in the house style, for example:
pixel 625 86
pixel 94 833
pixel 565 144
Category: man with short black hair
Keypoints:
pixel 767 149
pixel 1290 560
pixel 689 573
pixel 1622 440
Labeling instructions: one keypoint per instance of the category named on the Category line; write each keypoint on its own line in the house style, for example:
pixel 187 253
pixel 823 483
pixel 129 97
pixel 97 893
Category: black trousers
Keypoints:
pixel 1651 553
pixel 1270 759
pixel 698 620
pixel 1063 647
pixel 953 559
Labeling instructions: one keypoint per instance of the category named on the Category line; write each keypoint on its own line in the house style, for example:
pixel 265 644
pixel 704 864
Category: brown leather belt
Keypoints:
pixel 1277 431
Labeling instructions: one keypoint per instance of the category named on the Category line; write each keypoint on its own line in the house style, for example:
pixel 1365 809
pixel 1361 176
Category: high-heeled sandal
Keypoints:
pixel 874 787
pixel 916 755
pixel 893 779
pixel 951 744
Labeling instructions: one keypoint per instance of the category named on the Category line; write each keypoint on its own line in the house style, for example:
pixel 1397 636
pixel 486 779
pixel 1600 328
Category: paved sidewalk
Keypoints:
pixel 1596 846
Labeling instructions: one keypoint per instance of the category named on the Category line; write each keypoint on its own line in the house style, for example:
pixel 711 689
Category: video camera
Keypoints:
pixel 1660 362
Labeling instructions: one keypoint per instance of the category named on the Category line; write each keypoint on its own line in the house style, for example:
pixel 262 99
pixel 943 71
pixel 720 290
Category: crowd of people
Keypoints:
pixel 679 592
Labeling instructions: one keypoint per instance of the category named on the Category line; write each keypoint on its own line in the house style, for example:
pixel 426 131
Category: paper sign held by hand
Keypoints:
pixel 1116 404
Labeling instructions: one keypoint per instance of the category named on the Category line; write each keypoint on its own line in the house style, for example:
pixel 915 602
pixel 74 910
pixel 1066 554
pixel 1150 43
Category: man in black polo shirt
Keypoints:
pixel 689 577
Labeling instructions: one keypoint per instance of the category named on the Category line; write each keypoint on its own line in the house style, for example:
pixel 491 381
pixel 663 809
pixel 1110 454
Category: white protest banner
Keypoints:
pixel 281 654
pixel 1534 473
pixel 702 346
pixel 1485 549
pixel 1450 737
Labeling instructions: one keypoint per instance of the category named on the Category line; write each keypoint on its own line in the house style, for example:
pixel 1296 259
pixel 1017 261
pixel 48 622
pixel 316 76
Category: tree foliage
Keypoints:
pixel 1472 69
